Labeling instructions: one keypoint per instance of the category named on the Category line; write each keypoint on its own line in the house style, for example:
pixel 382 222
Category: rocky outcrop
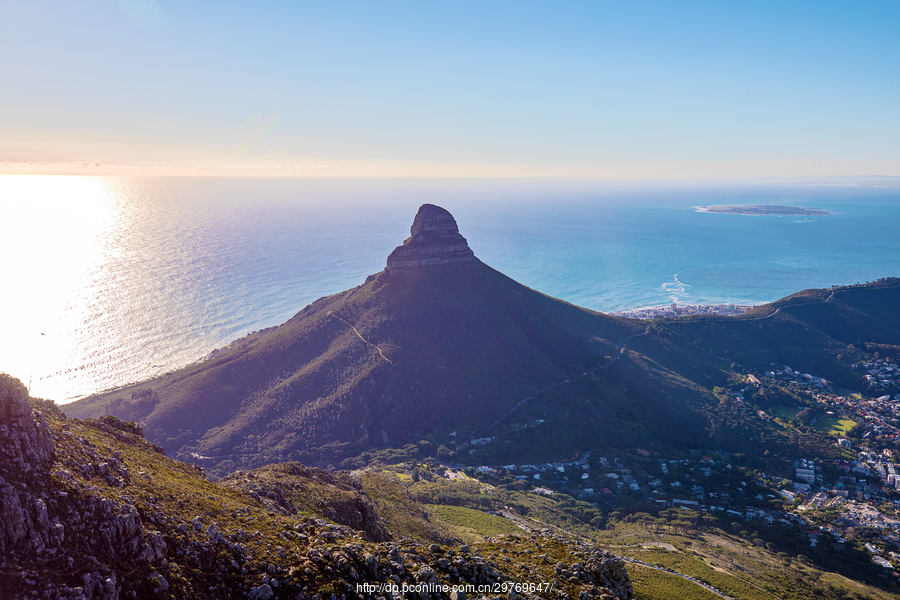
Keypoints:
pixel 26 446
pixel 486 570
pixel 288 488
pixel 25 441
pixel 434 241
pixel 600 572
pixel 50 522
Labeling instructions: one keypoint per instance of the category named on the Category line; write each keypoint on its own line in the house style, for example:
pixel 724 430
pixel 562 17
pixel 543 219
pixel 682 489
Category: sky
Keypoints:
pixel 595 89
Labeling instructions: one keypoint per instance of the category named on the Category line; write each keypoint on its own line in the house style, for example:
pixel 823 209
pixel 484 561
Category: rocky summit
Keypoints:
pixel 434 240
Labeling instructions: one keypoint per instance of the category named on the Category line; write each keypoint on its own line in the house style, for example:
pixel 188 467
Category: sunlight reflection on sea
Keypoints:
pixel 114 280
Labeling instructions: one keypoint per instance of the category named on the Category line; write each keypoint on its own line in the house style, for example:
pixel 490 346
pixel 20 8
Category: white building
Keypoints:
pixel 806 474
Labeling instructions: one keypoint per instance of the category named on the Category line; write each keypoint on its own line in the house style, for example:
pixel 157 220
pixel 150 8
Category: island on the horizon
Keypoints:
pixel 761 209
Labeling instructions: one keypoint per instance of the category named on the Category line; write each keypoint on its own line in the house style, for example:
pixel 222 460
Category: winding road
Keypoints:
pixel 619 351
pixel 776 311
pixel 677 574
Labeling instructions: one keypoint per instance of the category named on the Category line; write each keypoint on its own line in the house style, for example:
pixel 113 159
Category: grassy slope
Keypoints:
pixel 402 515
pixel 834 425
pixel 650 584
pixel 275 516
pixel 469 524
pixel 728 561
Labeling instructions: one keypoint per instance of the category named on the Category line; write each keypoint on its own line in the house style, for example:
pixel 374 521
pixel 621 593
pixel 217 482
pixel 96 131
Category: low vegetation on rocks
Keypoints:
pixel 90 510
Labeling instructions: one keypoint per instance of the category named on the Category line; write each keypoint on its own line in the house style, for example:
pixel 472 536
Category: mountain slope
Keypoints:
pixel 437 342
pixel 440 349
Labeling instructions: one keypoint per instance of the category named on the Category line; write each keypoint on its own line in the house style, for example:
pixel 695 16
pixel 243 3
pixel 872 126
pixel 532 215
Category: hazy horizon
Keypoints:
pixel 575 90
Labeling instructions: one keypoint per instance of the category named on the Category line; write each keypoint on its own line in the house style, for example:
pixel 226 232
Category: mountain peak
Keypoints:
pixel 434 240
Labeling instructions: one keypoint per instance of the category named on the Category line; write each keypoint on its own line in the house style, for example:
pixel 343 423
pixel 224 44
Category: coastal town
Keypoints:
pixel 674 310
pixel 824 504
pixel 848 502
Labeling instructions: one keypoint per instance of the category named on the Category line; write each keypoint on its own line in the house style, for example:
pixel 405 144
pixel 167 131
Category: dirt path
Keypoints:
pixel 620 350
pixel 359 335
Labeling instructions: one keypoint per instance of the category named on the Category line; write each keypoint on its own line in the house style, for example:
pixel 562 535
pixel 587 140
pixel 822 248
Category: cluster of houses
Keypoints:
pixel 878 414
pixel 673 310
pixel 881 374
pixel 850 488
pixel 804 379
pixel 709 483
pixel 870 478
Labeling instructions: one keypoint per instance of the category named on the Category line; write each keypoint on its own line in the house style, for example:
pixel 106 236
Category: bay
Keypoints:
pixel 114 280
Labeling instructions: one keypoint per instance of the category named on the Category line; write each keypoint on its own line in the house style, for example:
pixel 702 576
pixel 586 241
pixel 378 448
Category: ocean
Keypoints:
pixel 111 280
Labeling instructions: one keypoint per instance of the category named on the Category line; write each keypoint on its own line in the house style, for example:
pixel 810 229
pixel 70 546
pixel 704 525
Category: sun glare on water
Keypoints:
pixel 54 243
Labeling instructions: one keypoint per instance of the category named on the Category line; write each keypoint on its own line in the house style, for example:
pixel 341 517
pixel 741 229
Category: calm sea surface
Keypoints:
pixel 112 280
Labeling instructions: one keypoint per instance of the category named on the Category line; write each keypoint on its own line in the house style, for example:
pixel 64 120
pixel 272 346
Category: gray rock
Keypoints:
pixel 434 240
pixel 159 581
pixel 427 575
pixel 24 440
pixel 263 592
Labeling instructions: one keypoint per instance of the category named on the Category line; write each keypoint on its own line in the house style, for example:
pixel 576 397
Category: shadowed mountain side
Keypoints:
pixel 458 350
pixel 423 347
pixel 441 349
pixel 635 403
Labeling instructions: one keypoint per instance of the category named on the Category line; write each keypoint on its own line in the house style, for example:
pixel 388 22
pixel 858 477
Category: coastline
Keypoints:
pixel 674 310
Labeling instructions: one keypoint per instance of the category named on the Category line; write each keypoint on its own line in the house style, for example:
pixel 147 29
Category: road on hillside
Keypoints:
pixel 527 527
pixel 775 312
pixel 682 575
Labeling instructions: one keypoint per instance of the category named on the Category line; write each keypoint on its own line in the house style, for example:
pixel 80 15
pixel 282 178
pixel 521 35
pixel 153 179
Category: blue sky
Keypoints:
pixel 550 89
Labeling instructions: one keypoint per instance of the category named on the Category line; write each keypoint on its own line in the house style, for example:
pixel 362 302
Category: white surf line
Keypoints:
pixel 676 287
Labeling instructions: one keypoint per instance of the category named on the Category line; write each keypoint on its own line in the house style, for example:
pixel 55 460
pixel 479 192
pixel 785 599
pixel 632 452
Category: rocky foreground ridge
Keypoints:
pixel 90 510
